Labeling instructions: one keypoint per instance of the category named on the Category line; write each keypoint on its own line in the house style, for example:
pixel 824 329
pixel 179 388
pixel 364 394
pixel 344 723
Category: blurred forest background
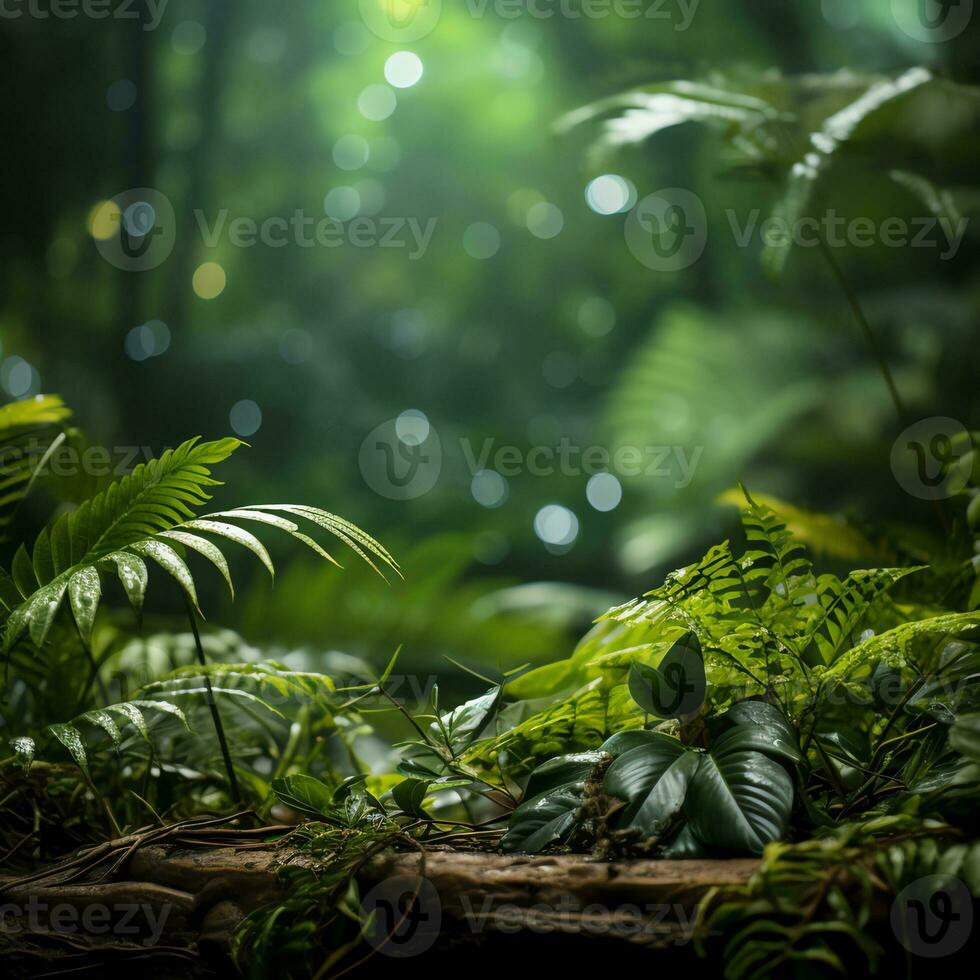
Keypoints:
pixel 527 320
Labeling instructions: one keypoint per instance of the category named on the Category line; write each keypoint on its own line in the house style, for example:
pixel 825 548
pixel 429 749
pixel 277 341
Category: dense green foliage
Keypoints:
pixel 806 692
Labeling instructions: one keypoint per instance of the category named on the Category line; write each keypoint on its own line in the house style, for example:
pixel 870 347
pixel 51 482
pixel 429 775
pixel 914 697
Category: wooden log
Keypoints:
pixel 640 901
pixel 206 891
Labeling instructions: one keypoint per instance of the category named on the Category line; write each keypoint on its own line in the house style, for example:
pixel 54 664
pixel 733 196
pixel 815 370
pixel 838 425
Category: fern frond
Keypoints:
pixel 823 535
pixel 822 147
pixel 72 735
pixel 642 113
pixel 905 645
pixel 844 605
pixel 287 684
pixel 710 588
pixel 773 555
pixel 29 432
pixel 143 517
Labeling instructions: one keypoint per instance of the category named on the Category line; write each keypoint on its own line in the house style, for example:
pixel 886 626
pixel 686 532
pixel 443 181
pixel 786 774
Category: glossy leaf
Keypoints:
pixel 653 780
pixel 542 820
pixel 739 802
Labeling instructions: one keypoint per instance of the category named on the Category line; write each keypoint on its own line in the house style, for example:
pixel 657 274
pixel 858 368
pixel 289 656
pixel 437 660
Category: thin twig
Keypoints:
pixel 213 705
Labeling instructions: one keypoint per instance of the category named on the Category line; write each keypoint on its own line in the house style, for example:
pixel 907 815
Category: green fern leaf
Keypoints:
pixel 774 554
pixel 26 427
pixel 844 605
pixel 70 734
pixel 141 517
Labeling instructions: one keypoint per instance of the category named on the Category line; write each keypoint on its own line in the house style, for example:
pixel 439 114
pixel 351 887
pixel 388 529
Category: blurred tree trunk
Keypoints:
pixel 139 157
pixel 200 164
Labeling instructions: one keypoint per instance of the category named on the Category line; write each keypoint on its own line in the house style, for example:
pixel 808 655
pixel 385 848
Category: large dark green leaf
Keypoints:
pixel 622 742
pixel 758 726
pixel 562 771
pixel 739 801
pixel 653 780
pixel 770 739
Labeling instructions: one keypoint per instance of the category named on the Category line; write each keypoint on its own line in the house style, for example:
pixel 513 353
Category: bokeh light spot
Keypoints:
pixel 266 44
pixel 545 220
pixel 556 525
pixel 351 152
pixel 245 418
pixel 188 37
pixel 412 427
pixel 18 378
pixel 610 194
pixel 842 14
pixel 148 340
pixel 604 492
pixel 103 220
pixel 377 102
pixel 209 280
pixel 342 203
pixel 596 316
pixel 121 95
pixel 295 346
pixel 490 547
pixel 403 69
pixel 489 488
pixel 481 240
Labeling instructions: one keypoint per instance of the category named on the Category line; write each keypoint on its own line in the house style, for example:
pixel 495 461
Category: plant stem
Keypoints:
pixel 94 679
pixel 866 329
pixel 213 705
pixel 879 354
